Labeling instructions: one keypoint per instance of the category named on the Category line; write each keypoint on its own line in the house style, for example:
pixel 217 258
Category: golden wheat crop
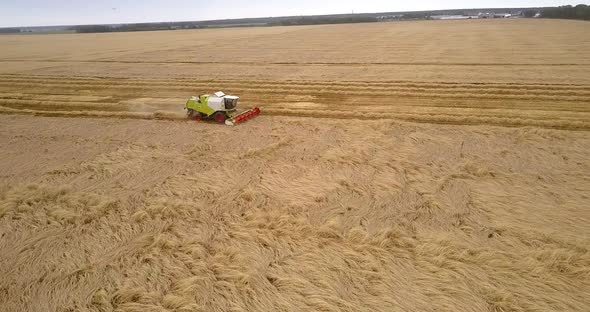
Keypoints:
pixel 420 166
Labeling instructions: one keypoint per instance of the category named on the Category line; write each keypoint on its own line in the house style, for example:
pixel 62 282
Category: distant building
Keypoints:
pixel 495 15
pixel 385 18
pixel 453 17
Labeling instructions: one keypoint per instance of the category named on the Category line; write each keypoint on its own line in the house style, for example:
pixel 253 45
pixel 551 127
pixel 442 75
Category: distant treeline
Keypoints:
pixel 305 20
pixel 92 28
pixel 9 30
pixel 318 20
pixel 580 11
pixel 131 27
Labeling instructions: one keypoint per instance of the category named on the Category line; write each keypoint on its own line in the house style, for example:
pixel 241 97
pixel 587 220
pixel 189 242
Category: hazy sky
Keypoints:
pixel 68 12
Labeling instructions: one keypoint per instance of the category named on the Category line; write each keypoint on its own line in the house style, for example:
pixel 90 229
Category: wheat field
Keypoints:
pixel 411 166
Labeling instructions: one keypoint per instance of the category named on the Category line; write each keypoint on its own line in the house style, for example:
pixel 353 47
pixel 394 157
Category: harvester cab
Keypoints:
pixel 219 107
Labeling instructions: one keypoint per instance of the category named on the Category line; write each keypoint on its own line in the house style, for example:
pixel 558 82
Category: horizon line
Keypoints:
pixel 262 17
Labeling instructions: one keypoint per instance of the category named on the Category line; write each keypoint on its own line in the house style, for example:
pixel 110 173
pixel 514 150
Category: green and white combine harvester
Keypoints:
pixel 219 107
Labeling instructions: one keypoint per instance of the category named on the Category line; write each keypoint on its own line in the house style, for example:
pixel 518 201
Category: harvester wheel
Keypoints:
pixel 197 117
pixel 220 117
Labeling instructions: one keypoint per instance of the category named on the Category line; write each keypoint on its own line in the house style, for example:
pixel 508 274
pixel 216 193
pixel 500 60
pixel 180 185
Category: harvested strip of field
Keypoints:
pixel 554 106
pixel 70 61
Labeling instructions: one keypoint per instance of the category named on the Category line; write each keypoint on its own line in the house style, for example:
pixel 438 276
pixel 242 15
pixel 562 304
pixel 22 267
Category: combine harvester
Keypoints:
pixel 219 107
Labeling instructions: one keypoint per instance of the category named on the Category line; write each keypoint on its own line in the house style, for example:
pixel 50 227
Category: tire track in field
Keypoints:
pixel 135 80
pixel 424 92
pixel 255 63
pixel 564 106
